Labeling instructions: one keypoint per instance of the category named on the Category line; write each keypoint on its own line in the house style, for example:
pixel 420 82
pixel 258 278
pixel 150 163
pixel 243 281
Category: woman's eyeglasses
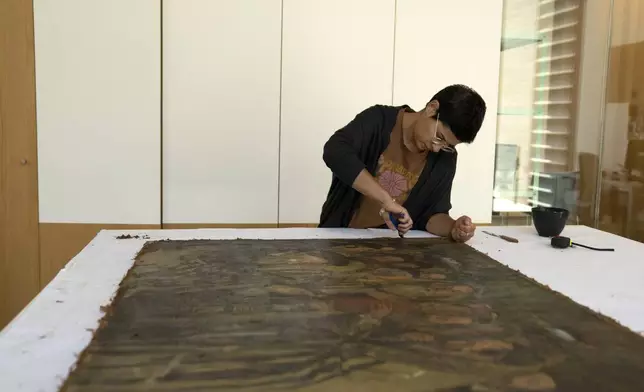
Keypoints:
pixel 439 141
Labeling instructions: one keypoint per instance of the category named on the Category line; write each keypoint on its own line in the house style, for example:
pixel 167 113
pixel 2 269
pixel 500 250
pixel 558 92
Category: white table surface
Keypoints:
pixel 40 346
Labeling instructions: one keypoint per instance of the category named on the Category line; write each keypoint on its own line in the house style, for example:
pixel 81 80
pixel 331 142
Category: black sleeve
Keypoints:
pixel 441 193
pixel 344 148
pixel 444 204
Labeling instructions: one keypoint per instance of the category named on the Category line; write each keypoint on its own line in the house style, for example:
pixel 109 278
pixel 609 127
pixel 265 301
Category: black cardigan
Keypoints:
pixel 358 146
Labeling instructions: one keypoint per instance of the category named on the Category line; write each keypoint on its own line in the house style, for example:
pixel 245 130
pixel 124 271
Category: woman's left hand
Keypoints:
pixel 463 229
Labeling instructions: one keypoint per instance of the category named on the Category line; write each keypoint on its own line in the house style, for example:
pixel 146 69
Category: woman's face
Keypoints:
pixel 432 135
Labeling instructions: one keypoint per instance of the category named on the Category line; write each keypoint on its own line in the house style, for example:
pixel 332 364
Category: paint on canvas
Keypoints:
pixel 347 315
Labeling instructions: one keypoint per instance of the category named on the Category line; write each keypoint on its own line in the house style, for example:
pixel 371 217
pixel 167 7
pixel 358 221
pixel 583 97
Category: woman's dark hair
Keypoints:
pixel 462 109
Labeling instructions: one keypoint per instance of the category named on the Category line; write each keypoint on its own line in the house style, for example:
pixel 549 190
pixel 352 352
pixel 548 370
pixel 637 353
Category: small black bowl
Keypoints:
pixel 549 221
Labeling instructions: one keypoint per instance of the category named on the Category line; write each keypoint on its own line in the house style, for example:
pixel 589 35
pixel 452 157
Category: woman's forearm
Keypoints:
pixel 440 224
pixel 369 187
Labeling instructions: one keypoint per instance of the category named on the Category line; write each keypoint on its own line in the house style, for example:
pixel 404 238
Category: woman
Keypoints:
pixel 393 160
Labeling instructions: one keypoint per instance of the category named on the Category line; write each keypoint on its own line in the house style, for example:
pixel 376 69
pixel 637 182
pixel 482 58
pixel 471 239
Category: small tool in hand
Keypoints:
pixel 394 221
pixel 565 242
pixel 503 237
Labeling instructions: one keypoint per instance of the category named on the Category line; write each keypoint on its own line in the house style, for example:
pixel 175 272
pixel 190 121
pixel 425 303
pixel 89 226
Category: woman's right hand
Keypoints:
pixel 369 187
pixel 405 222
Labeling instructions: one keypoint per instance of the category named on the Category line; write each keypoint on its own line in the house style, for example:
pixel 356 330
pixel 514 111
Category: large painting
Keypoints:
pixel 347 315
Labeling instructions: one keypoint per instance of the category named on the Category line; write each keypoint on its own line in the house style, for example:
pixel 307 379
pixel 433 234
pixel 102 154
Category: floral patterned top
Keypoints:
pixel 398 171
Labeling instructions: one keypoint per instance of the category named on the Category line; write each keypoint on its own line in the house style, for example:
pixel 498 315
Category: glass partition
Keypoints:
pixel 621 186
pixel 571 113
pixel 539 80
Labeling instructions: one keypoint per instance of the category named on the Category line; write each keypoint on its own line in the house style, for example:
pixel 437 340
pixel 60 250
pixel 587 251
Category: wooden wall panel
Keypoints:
pixel 60 242
pixel 98 80
pixel 625 82
pixel 337 61
pixel 626 27
pixel 221 89
pixel 19 268
pixel 439 43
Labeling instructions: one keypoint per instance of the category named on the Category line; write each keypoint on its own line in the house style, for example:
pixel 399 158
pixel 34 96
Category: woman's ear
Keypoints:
pixel 431 108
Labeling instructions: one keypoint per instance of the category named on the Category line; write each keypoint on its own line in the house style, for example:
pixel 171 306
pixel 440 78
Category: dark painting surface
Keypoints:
pixel 347 315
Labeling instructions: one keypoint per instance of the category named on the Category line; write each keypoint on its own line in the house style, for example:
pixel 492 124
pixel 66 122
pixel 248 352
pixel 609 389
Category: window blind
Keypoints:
pixel 555 98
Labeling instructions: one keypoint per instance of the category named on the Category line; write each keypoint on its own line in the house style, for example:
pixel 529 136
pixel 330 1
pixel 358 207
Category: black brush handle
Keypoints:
pixel 591 248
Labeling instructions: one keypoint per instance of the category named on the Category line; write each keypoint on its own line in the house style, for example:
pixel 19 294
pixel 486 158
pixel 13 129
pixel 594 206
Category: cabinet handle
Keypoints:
pixel 24 161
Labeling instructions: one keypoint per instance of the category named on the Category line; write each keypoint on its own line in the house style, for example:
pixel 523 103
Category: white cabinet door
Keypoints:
pixel 337 61
pixel 98 73
pixel 221 84
pixel 439 43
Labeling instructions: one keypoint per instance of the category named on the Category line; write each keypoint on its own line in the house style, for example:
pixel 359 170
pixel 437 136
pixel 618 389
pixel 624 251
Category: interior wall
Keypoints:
pixel 251 92
pixel 337 61
pixel 221 103
pixel 221 111
pixel 98 96
pixel 317 86
pixel 98 81
pixel 428 59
